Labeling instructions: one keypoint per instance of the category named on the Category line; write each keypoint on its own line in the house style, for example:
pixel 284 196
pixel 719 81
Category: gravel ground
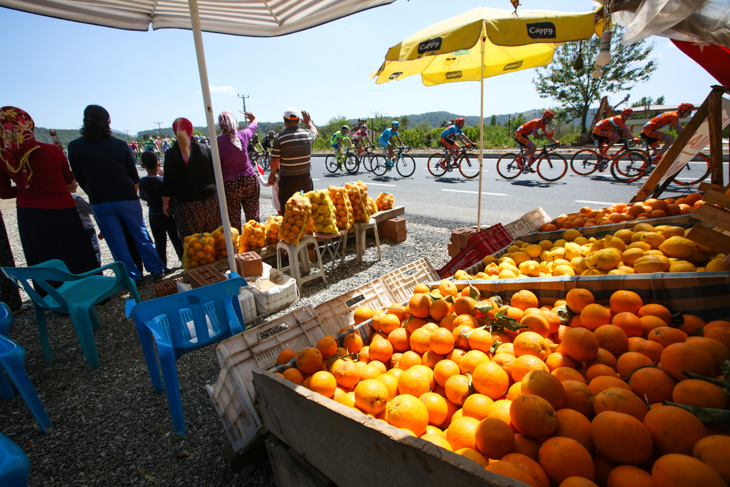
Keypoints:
pixel 111 428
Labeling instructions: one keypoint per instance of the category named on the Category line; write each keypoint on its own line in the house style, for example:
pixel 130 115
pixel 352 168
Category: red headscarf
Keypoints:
pixel 18 141
pixel 183 129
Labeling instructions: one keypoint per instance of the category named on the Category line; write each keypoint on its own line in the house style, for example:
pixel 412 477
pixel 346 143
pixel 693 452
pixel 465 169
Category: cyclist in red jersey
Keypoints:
pixel 606 132
pixel 534 127
pixel 650 133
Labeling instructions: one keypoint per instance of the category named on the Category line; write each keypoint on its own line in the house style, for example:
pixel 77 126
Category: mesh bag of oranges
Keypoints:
pixel 255 236
pixel 384 201
pixel 343 207
pixel 220 241
pixel 358 200
pixel 323 212
pixel 198 249
pixel 372 206
pixel 273 223
pixel 297 211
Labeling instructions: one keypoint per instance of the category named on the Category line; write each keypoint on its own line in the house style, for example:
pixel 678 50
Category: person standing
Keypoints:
pixel 48 223
pixel 240 181
pixel 291 153
pixel 105 170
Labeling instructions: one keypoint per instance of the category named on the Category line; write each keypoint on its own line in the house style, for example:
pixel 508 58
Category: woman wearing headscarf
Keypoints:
pixel 48 223
pixel 239 178
pixel 104 168
pixel 190 181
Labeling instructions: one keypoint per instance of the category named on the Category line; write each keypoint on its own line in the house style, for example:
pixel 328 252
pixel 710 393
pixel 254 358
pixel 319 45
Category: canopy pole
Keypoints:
pixel 202 68
pixel 481 127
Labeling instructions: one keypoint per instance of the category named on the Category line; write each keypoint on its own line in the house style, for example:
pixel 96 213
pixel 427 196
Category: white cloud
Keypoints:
pixel 227 90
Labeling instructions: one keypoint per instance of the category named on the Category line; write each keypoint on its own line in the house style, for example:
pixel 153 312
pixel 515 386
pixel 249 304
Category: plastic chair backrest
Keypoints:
pixel 194 318
pixel 52 270
pixel 6 319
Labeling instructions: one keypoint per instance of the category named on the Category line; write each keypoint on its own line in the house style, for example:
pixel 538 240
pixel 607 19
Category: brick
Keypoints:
pixel 249 264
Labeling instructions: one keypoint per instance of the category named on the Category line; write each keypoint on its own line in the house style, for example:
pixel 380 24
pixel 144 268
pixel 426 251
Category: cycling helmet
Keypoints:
pixel 686 106
pixel 345 128
pixel 395 123
pixel 363 127
pixel 627 111
pixel 459 121
pixel 549 114
pixel 255 137
pixel 271 132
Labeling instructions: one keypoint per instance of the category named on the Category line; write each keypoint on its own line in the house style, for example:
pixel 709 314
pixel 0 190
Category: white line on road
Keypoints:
pixel 382 184
pixel 607 203
pixel 473 192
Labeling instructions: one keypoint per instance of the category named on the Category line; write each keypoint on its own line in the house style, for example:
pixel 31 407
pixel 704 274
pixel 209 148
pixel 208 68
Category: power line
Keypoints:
pixel 243 98
pixel 159 128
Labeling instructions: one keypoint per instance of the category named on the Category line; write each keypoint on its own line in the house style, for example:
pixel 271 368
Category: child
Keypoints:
pixel 150 190
pixel 84 209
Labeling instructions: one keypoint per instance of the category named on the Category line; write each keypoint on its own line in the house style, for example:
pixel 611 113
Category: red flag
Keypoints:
pixel 715 59
pixel 259 168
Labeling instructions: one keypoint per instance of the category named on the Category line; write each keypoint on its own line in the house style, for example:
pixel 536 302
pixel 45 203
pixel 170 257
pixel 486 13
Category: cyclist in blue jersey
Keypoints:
pixel 337 139
pixel 387 140
pixel 451 135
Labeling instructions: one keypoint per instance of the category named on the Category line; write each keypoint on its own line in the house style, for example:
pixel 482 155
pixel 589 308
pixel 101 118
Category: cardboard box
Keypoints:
pixel 249 264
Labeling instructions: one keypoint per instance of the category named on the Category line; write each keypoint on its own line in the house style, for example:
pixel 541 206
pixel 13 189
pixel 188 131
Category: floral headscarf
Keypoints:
pixel 18 141
pixel 229 125
pixel 183 129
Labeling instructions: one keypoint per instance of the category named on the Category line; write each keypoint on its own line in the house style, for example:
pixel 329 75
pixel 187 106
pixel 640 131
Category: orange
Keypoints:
pixel 691 324
pixel 406 411
pixel 399 339
pixel 441 341
pixel 716 349
pixel 533 416
pixel 601 383
pixel 439 309
pixel 346 373
pixel 324 383
pixel 371 396
pixel 524 364
pixel 494 438
pixel 674 429
pixel 572 424
pixel 391 383
pixel 461 433
pixel 477 406
pixel 564 457
pixel 625 301
pixel 568 373
pixel 695 392
pixel 436 406
pixel 579 298
pixel 367 371
pixel 352 342
pixel 420 305
pixel 653 385
pixel 621 438
pixel 524 299
pixel 414 382
pixel 490 379
pixel 471 359
pixel 676 470
pixel 579 344
pixel 464 305
pixel 656 310
pixel 310 360
pixel 557 360
pixel 529 465
pixel 719 333
pixel 594 315
pixel 537 323
pixel 398 310
pixel 448 288
pixel 420 340
pixel 443 370
pixel 683 357
pixel 578 397
pixel 531 343
pixel 630 323
pixel 460 335
pixel 612 338
pixel 629 362
pixel 386 322
pixel 629 476
pixel 712 450
pixel 500 409
pixel 380 350
pixel 457 389
pixel 526 446
pixel 620 400
pixel 473 455
pixel 480 339
pixel 653 350
pixel 507 469
pixel 285 356
pixel 294 375
pixel 666 335
pixel 363 313
pixel 514 391
pixel 545 385
pixel 421 288
pixel 408 360
pixel 438 440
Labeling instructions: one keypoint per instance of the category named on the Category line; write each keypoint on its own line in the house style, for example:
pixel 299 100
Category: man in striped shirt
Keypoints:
pixel 290 155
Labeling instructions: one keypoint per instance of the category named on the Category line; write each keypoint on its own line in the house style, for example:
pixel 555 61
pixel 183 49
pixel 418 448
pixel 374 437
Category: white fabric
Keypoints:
pixel 253 18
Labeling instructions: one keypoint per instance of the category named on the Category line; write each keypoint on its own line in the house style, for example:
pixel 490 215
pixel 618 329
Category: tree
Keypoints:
pixel 493 121
pixel 575 90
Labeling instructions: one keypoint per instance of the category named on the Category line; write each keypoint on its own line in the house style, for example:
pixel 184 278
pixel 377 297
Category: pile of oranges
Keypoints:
pixel 343 208
pixel 622 212
pixel 358 193
pixel 384 201
pixel 574 393
pixel 198 249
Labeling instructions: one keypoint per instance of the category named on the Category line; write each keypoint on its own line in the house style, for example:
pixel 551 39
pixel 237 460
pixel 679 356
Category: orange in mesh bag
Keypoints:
pixel 359 203
pixel 343 208
pixel 384 201
pixel 255 236
pixel 274 224
pixel 198 249
pixel 297 212
pixel 323 212
pixel 220 242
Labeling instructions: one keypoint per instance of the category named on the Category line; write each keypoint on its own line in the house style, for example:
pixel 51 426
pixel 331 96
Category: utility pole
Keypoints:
pixel 127 131
pixel 159 133
pixel 243 98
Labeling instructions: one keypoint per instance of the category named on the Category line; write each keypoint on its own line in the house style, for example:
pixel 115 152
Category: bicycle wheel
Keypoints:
pixel 437 165
pixel 507 166
pixel 265 162
pixel 330 163
pixel 379 167
pixel 352 164
pixel 584 162
pixel 629 166
pixel 368 161
pixel 688 174
pixel 406 166
pixel 552 167
pixel 467 168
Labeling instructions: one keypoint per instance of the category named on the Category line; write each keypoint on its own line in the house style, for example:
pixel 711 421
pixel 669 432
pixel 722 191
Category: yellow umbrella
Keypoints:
pixel 446 52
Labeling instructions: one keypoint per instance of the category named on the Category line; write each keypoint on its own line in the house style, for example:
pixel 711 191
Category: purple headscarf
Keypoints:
pixel 229 125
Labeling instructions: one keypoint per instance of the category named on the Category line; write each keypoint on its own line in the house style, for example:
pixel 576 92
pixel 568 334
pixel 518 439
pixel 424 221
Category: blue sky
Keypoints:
pixel 54 68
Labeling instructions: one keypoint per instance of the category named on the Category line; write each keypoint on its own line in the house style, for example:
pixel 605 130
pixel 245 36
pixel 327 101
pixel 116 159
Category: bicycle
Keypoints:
pixel 348 158
pixel 550 167
pixel 264 161
pixel 405 165
pixel 368 159
pixel 633 172
pixel 588 161
pixel 439 164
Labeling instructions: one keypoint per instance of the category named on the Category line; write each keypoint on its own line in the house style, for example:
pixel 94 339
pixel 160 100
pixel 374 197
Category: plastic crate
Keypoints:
pixel 337 313
pixel 204 275
pixel 270 300
pixel 236 411
pixel 402 281
pixel 247 301
pixel 527 223
pixel 484 243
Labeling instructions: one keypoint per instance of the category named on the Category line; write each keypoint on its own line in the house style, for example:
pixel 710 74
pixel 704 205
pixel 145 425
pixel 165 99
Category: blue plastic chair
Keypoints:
pixel 181 323
pixel 14 464
pixel 12 359
pixel 77 295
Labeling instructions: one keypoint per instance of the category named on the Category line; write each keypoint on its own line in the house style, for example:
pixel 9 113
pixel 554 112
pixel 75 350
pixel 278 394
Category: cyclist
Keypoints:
pixel 268 140
pixel 387 140
pixel 606 132
pixel 254 145
pixel 451 135
pixel 650 133
pixel 361 137
pixel 534 127
pixel 165 145
pixel 151 145
pixel 337 138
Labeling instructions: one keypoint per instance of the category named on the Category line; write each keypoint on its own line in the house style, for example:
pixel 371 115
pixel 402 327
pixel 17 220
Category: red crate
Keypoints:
pixel 484 243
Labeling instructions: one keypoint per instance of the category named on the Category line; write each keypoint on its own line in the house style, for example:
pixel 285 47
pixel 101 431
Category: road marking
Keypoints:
pixel 382 184
pixel 473 192
pixel 596 202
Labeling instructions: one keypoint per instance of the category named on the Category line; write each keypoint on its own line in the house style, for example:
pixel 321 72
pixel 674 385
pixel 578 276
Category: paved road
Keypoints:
pixel 454 198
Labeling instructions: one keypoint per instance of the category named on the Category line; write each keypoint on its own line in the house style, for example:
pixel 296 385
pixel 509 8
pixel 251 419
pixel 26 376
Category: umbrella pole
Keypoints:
pixel 481 130
pixel 202 68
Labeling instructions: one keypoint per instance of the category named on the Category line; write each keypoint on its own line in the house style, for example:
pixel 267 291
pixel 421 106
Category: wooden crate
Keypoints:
pixel 715 212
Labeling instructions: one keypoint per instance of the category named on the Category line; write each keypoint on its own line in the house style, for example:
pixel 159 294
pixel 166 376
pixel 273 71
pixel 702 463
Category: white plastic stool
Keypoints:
pixel 331 244
pixel 299 260
pixel 361 238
